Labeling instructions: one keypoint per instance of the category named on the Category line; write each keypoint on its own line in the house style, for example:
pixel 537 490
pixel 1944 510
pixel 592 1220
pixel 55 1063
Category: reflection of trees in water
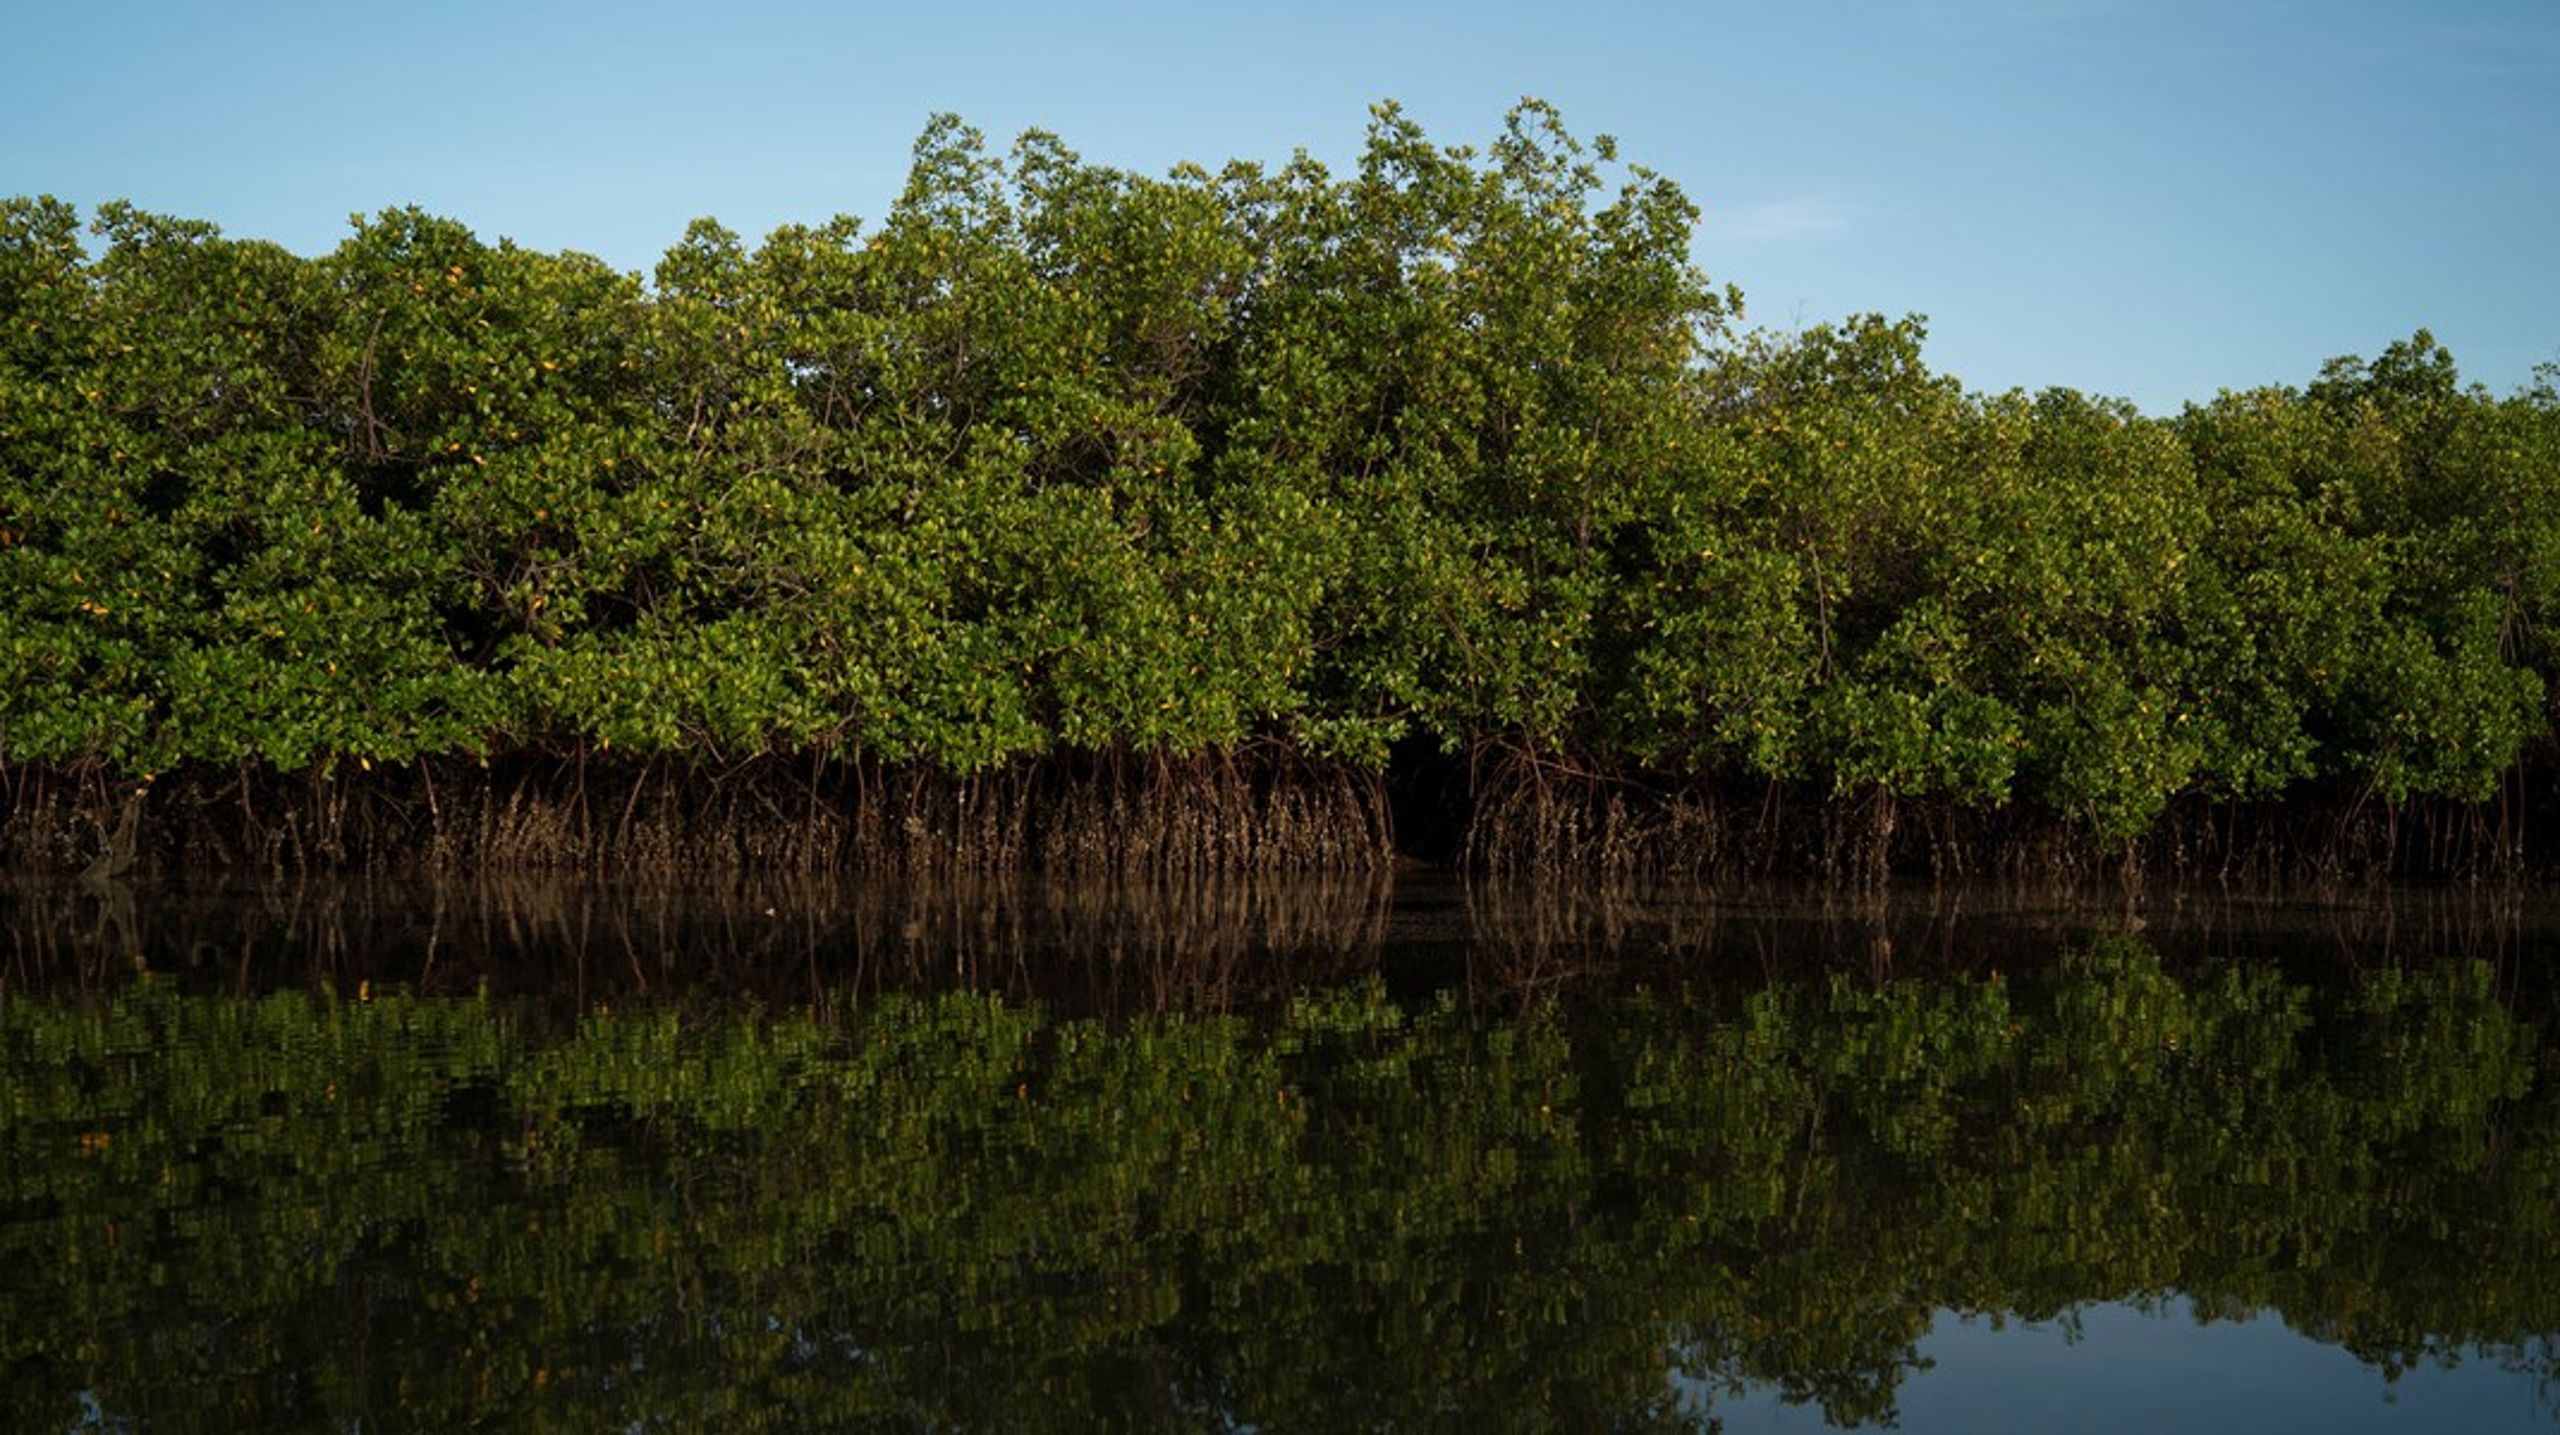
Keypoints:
pixel 1210 944
pixel 1540 936
pixel 964 1208
pixel 1106 945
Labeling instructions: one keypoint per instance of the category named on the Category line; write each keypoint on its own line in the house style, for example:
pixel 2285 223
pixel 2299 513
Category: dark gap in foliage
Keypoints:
pixel 1428 799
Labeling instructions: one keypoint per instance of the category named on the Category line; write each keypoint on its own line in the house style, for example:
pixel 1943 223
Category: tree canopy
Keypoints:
pixel 1457 448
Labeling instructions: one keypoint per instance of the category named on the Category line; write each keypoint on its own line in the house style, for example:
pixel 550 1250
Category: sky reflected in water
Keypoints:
pixel 2122 1366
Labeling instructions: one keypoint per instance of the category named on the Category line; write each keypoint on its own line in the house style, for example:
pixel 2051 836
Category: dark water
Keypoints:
pixel 1301 1158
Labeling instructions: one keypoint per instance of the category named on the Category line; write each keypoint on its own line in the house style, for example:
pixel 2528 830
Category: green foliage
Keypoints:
pixel 1058 459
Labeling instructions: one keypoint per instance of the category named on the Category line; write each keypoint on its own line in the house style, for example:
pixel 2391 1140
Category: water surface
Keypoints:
pixel 365 1157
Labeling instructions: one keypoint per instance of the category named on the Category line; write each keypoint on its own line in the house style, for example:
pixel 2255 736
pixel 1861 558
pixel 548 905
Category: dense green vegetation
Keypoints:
pixel 306 1210
pixel 1271 470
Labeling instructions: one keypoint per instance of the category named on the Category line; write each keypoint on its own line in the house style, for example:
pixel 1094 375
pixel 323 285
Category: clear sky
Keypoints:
pixel 2154 199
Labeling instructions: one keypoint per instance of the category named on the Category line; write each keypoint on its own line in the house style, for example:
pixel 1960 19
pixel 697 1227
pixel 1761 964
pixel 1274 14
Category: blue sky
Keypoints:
pixel 2151 200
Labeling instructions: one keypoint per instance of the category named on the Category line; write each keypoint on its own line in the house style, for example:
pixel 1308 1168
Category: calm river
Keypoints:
pixel 1332 1157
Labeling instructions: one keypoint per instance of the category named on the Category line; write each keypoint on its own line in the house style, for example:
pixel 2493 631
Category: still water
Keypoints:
pixel 365 1157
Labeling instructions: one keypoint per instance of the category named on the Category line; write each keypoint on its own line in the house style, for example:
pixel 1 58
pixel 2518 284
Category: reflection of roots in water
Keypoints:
pixel 2370 927
pixel 1528 936
pixel 1104 946
pixel 1115 945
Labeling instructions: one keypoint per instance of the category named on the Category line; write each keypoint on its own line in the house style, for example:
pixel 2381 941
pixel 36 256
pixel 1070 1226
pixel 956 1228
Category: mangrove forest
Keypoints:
pixel 1264 517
